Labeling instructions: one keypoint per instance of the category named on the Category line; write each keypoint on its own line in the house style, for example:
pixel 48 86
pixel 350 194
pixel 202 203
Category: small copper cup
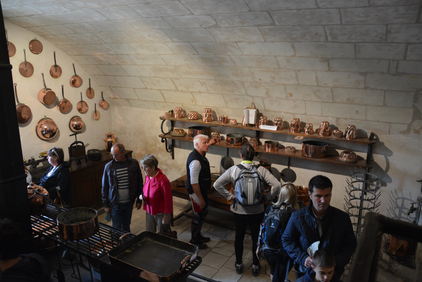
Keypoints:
pixel 324 129
pixel 271 146
pixel 295 125
pixel 309 128
pixel 263 120
pixel 278 121
pixel 223 119
pixel 178 112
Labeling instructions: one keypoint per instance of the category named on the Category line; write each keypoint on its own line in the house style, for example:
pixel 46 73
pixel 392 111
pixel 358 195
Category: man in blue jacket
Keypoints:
pixel 319 222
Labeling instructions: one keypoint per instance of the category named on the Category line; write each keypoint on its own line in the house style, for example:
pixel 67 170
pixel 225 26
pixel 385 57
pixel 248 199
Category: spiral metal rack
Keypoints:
pixel 363 192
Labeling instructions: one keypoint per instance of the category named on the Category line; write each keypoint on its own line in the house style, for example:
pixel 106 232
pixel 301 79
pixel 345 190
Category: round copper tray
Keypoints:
pixel 46 129
pixel 35 46
pixel 76 124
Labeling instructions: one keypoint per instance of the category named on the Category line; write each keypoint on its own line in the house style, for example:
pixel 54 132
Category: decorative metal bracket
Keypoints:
pixel 169 147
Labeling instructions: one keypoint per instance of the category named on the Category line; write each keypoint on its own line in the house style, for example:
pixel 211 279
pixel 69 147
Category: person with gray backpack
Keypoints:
pixel 275 221
pixel 247 201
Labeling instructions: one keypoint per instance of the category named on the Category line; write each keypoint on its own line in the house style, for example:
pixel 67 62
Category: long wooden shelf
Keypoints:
pixel 333 159
pixel 361 140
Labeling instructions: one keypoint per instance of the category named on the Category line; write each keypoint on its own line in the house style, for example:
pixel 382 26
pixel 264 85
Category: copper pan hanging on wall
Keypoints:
pixel 75 80
pixel 103 103
pixel 64 105
pixel 76 124
pixel 55 70
pixel 82 106
pixel 96 114
pixel 46 129
pixel 12 49
pixel 26 69
pixel 23 111
pixel 90 93
pixel 46 95
pixel 35 46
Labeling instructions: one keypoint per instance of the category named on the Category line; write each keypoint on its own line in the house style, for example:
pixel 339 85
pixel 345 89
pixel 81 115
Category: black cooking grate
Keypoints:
pixel 95 246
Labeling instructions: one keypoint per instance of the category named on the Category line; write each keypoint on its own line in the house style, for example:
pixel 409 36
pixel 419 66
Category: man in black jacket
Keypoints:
pixel 197 184
pixel 319 222
pixel 122 185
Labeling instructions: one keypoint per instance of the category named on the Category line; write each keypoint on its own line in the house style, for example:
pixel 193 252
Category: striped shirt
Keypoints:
pixel 122 176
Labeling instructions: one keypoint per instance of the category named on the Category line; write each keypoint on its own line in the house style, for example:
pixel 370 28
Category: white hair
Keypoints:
pixel 197 139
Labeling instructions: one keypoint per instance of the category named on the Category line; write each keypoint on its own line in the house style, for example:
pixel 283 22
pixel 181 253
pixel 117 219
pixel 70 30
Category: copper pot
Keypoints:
pixel 55 70
pixel 35 46
pixel 46 96
pixel 195 130
pixel 26 69
pixel 64 105
pixel 76 124
pixel 314 149
pixel 78 223
pixel 235 139
pixel 75 80
pixel 23 111
pixel 46 129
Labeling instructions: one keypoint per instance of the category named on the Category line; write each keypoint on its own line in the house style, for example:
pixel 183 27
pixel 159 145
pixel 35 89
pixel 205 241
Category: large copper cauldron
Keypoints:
pixel 78 223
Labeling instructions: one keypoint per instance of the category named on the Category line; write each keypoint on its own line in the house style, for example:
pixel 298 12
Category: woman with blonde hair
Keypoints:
pixel 277 216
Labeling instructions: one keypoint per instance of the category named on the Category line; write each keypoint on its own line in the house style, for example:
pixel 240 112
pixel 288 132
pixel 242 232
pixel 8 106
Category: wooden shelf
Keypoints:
pixel 281 132
pixel 333 159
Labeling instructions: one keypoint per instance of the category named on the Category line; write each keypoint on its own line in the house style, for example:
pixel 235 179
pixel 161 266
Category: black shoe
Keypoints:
pixel 200 245
pixel 256 269
pixel 239 268
pixel 204 239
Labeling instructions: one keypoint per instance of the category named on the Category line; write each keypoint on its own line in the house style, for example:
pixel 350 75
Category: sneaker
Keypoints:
pixel 204 239
pixel 256 269
pixel 200 245
pixel 239 268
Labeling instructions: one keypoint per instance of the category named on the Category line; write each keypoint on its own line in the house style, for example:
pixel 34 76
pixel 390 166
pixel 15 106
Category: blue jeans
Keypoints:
pixel 122 216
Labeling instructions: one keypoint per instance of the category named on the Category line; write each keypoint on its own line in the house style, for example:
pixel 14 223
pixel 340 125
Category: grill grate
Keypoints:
pixel 94 247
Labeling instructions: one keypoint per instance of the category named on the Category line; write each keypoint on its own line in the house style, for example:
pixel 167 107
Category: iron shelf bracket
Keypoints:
pixel 169 147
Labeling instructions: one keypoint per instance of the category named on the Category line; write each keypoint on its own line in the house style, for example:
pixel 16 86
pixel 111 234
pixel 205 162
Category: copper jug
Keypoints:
pixel 109 141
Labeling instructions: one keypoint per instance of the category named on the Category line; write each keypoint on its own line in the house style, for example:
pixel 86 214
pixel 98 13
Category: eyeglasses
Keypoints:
pixel 53 152
pixel 145 167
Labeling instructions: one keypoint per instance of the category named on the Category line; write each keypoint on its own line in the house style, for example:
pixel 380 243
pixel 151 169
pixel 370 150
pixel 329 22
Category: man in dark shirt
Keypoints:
pixel 198 183
pixel 122 185
pixel 319 222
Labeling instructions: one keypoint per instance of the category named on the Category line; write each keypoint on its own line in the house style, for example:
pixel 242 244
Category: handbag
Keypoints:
pixel 166 231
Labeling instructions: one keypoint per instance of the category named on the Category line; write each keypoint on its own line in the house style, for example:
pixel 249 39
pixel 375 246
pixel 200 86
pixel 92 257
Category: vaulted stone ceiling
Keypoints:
pixel 283 55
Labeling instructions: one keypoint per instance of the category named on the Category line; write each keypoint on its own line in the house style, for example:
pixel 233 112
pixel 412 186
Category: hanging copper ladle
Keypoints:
pixel 55 70
pixel 26 69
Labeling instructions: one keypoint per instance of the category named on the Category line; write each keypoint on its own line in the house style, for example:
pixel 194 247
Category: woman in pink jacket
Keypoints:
pixel 157 196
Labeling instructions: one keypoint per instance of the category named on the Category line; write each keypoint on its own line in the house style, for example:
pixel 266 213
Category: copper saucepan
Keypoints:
pixel 55 70
pixel 82 106
pixel 64 105
pixel 23 111
pixel 96 115
pixel 35 46
pixel 90 93
pixel 46 95
pixel 76 124
pixel 26 69
pixel 75 80
pixel 103 103
pixel 46 129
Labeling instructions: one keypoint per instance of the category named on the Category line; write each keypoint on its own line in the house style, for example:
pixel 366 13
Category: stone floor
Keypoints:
pixel 219 259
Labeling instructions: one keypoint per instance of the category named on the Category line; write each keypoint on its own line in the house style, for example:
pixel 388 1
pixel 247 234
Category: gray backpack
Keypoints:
pixel 248 186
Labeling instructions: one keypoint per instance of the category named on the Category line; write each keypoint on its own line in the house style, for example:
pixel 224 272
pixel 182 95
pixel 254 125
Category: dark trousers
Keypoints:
pixel 241 221
pixel 197 222
pixel 122 216
pixel 278 265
